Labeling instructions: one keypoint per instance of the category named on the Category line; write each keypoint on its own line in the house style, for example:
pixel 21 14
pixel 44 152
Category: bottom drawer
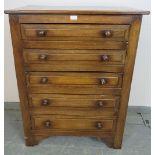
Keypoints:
pixel 53 122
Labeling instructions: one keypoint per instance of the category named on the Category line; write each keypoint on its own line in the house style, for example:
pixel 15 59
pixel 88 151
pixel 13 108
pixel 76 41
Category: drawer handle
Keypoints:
pixel 43 56
pixel 103 81
pixel 44 80
pixel 45 102
pixel 100 104
pixel 107 33
pixel 105 58
pixel 99 125
pixel 48 124
pixel 41 33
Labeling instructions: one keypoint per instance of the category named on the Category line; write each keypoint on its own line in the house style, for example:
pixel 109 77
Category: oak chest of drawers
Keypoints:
pixel 74 70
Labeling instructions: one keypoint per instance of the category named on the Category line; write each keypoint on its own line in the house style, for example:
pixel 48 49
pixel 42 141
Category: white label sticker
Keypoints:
pixel 73 17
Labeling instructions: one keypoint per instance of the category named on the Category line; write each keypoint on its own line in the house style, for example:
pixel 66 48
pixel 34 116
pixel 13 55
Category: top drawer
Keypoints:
pixel 74 32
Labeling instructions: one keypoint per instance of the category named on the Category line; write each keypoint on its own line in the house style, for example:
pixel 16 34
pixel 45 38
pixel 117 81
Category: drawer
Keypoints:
pixel 61 123
pixel 74 60
pixel 94 102
pixel 61 78
pixel 74 83
pixel 74 32
pixel 76 45
pixel 37 56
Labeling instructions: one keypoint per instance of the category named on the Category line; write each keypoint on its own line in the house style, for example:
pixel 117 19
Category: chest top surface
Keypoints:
pixel 76 10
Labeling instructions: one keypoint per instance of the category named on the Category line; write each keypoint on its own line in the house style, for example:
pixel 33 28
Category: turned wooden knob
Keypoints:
pixel 105 58
pixel 107 33
pixel 41 33
pixel 45 102
pixel 48 124
pixel 99 125
pixel 43 56
pixel 99 104
pixel 44 80
pixel 103 81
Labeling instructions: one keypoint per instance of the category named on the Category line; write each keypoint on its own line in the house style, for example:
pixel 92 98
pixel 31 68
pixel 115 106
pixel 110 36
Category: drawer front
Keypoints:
pixel 74 32
pixel 51 123
pixel 94 102
pixel 37 56
pixel 75 83
pixel 78 45
pixel 96 79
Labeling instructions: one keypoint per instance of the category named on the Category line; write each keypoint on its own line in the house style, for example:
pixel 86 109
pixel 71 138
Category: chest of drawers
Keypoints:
pixel 74 70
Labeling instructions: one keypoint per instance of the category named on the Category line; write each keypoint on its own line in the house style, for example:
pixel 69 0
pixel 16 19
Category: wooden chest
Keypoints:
pixel 74 70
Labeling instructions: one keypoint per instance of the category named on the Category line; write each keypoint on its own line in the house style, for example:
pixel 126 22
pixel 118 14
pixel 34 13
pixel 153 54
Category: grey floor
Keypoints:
pixel 136 137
